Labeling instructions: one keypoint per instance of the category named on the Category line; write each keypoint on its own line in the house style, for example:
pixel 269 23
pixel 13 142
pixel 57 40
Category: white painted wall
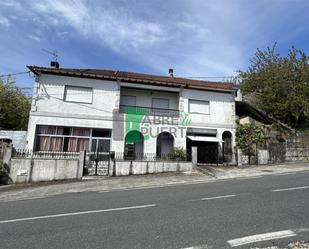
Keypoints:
pixel 48 107
pixel 222 108
pixel 122 168
pixel 51 94
pixel 19 138
pixel 24 170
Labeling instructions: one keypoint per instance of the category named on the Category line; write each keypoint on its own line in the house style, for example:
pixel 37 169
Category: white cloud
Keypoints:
pixel 159 42
pixel 34 37
pixel 11 4
pixel 196 38
pixel 5 22
pixel 115 28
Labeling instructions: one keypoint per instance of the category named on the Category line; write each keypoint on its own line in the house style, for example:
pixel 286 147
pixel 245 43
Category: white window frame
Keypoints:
pixel 201 101
pixel 85 102
pixel 90 137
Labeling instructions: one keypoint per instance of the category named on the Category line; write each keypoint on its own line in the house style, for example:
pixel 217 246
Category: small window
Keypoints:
pixel 199 106
pixel 101 133
pixel 158 103
pixel 78 94
pixel 45 129
pixel 127 100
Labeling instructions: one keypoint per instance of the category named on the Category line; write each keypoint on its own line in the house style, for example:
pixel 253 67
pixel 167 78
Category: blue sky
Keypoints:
pixel 195 37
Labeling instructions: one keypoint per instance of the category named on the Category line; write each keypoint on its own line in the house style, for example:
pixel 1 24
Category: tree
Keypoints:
pixel 249 137
pixel 278 85
pixel 14 106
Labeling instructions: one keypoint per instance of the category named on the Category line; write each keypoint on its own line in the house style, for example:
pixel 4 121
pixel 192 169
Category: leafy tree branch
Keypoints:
pixel 14 106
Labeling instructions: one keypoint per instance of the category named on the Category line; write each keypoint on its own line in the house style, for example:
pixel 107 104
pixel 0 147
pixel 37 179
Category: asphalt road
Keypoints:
pixel 271 210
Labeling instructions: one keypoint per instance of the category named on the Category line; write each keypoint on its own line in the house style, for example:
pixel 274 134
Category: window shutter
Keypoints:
pixel 78 94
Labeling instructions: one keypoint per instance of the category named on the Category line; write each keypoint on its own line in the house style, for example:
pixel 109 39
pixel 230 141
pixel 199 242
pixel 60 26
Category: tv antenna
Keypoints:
pixel 54 53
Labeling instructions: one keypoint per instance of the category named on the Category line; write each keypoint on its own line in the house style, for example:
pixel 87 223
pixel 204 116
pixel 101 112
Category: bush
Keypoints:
pixel 4 169
pixel 249 136
pixel 177 154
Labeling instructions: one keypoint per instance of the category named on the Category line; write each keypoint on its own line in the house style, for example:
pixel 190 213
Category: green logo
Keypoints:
pixel 184 119
pixel 133 120
pixel 139 122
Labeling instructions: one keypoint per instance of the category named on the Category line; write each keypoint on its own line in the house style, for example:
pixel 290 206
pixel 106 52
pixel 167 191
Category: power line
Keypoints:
pixel 206 77
pixel 11 74
pixel 185 77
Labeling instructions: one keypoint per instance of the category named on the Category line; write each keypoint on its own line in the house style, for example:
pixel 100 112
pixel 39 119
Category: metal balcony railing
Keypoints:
pixel 142 110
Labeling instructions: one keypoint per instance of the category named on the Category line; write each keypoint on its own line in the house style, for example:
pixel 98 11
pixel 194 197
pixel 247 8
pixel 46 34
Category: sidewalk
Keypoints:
pixel 104 184
pixel 225 172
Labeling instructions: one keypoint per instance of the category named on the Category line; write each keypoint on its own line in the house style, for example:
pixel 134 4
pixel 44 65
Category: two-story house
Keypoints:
pixel 90 109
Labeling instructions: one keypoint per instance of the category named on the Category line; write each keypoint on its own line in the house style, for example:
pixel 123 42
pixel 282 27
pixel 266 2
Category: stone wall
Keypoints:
pixel 297 152
pixel 278 152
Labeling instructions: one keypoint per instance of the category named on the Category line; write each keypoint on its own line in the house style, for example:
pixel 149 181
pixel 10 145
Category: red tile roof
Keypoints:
pixel 137 78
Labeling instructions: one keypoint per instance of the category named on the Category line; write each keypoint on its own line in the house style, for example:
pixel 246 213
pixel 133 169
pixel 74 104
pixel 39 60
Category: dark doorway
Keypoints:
pixel 134 145
pixel 207 152
pixel 227 146
pixel 165 143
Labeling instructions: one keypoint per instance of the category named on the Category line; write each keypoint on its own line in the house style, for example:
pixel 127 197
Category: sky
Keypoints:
pixel 197 38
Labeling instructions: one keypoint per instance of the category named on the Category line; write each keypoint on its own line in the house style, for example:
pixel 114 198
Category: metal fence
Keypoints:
pixel 148 110
pixel 147 157
pixel 96 163
pixel 44 154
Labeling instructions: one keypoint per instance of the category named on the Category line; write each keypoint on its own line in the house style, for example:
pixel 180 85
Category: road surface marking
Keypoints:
pixel 284 174
pixel 129 189
pixel 289 189
pixel 197 247
pixel 217 197
pixel 77 213
pixel 261 237
pixel 248 177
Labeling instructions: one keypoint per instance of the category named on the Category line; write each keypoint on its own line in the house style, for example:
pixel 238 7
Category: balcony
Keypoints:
pixel 142 110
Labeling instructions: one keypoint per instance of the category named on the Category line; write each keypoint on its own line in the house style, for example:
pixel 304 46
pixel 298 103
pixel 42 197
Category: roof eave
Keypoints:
pixel 38 70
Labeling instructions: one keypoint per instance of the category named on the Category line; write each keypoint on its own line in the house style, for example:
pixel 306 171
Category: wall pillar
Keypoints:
pixel 194 155
pixel 239 157
pixel 7 153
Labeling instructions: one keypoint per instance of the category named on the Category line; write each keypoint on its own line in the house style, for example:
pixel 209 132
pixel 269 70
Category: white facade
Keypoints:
pixel 51 107
pixel 18 138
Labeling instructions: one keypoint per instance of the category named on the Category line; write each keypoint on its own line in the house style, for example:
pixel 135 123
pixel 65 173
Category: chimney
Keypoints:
pixel 171 72
pixel 54 64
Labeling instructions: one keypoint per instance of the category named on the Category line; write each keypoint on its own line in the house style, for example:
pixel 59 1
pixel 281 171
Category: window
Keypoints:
pixel 199 106
pixel 78 94
pixel 71 139
pixel 101 133
pixel 100 145
pixel 127 100
pixel 158 103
